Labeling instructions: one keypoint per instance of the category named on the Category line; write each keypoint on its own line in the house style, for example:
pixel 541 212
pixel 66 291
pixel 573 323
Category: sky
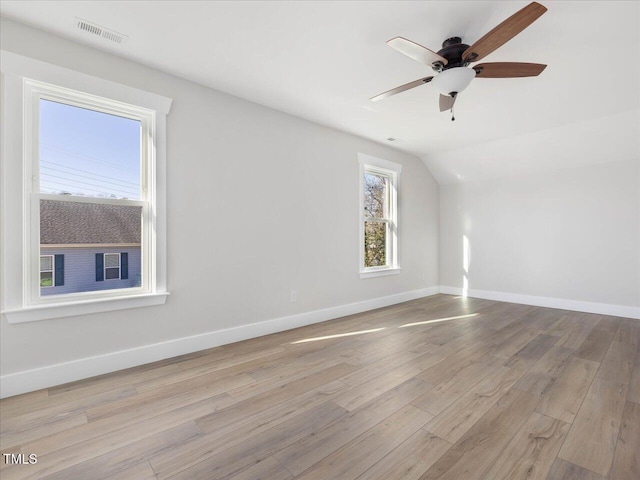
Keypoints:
pixel 89 153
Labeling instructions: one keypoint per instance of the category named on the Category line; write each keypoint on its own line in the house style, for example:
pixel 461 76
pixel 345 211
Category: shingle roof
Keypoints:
pixel 63 223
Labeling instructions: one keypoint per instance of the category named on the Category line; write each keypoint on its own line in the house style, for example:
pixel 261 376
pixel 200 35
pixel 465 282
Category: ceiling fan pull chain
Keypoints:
pixel 453 118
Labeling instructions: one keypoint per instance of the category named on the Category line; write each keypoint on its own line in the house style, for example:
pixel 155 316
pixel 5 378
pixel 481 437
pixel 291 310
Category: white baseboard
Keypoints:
pixel 38 378
pixel 550 302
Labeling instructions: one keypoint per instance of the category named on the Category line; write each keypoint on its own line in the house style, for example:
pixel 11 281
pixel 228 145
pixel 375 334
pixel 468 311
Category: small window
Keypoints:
pixel 46 271
pixel 378 217
pixel 111 266
pixel 377 223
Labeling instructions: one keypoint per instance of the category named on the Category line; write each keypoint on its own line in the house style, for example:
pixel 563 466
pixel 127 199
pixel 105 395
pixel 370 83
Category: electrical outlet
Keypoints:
pixel 294 296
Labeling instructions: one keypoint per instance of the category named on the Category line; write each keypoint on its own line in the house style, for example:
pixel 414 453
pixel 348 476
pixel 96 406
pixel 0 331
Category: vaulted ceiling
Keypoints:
pixel 323 60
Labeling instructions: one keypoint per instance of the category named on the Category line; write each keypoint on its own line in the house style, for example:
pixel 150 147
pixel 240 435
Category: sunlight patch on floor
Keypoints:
pixel 437 320
pixel 315 339
pixel 373 330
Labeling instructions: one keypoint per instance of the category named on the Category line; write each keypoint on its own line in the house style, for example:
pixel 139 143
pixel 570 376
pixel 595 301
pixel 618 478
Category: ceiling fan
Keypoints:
pixel 452 62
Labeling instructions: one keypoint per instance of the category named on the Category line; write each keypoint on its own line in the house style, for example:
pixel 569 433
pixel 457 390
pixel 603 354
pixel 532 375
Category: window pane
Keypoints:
pixel 84 152
pixel 46 263
pixel 375 195
pixel 46 279
pixel 111 273
pixel 92 237
pixel 111 260
pixel 375 244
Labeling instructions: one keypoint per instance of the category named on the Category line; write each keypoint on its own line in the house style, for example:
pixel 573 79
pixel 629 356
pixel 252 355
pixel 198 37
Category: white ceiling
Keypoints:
pixel 323 60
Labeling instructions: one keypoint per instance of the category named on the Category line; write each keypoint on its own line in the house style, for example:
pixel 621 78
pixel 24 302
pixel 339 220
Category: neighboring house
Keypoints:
pixel 88 246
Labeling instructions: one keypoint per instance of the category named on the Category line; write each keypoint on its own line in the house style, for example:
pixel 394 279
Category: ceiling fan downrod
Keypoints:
pixel 453 117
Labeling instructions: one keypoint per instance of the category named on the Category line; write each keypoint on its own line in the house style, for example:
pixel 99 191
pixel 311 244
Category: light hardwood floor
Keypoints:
pixel 438 388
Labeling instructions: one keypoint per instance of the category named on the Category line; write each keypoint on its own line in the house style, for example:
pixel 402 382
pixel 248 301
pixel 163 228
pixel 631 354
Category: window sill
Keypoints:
pixel 380 273
pixel 83 307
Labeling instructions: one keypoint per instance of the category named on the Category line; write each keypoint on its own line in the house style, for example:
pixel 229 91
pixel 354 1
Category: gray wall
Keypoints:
pixel 80 270
pixel 572 234
pixel 259 203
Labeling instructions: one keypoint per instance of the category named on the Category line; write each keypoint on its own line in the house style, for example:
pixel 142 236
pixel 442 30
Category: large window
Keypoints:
pixel 92 167
pixel 90 206
pixel 91 161
pixel 378 216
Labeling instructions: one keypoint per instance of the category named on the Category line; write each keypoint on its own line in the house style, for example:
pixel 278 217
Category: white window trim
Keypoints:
pixel 53 270
pixel 104 263
pixel 392 171
pixel 19 74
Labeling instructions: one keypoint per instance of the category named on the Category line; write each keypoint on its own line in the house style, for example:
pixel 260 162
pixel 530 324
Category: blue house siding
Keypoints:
pixel 80 269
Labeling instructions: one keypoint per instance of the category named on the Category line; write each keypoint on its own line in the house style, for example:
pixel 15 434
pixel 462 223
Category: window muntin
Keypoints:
pixel 111 266
pixel 47 278
pixel 77 134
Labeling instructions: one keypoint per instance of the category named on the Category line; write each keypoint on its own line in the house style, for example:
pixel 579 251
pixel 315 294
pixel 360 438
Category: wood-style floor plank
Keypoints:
pixel 361 453
pixel 117 462
pixel 533 351
pixel 532 451
pixel 442 387
pixel 545 371
pixel 626 463
pixel 618 362
pixel 232 426
pixel 562 326
pixel 267 469
pixel 472 455
pixel 628 332
pixel 563 399
pixel 69 466
pixel 410 459
pixel 258 446
pixel 452 424
pixel 596 345
pixel 593 436
pixel 563 470
pixel 141 471
pixel 11 438
pixel 101 428
pixel 311 449
pixel 634 385
pixel 444 394
pixel 577 333
pixel 543 318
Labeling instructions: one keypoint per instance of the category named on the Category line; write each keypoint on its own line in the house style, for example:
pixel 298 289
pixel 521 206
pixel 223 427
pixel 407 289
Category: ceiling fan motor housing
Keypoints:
pixel 452 50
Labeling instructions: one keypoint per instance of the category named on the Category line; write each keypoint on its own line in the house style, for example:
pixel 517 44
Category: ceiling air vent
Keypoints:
pixel 99 31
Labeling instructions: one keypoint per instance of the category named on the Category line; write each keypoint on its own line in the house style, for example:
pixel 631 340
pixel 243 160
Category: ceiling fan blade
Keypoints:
pixel 504 32
pixel 416 51
pixel 508 70
pixel 446 102
pixel 401 88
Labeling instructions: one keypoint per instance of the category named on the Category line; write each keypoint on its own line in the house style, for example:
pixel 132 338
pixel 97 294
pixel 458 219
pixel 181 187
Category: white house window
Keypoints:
pixel 91 161
pixel 46 271
pixel 378 216
pixel 91 156
pixel 111 266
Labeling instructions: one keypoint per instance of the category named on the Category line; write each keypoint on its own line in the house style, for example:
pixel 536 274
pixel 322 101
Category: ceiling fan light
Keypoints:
pixel 453 80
